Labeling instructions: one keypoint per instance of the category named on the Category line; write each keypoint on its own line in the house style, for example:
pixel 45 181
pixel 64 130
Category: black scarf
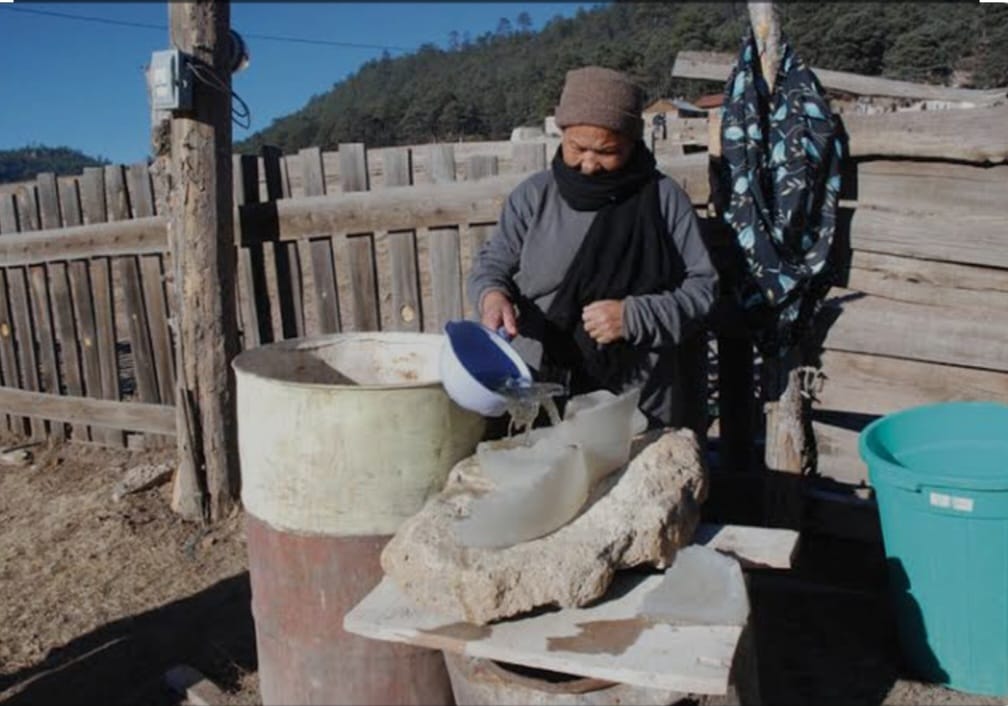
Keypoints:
pixel 625 252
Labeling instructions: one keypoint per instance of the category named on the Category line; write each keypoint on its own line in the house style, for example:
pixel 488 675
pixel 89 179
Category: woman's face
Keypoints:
pixel 593 149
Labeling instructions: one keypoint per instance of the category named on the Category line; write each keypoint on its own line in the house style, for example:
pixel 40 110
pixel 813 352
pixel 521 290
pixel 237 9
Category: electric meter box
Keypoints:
pixel 171 80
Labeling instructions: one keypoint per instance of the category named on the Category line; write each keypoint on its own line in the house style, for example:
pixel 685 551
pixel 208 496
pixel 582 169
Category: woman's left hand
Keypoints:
pixel 603 320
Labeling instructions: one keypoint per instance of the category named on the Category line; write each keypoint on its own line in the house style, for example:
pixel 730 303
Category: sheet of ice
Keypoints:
pixel 542 496
pixel 702 587
pixel 542 486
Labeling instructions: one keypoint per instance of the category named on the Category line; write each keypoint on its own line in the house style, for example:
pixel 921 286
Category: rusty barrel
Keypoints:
pixel 341 438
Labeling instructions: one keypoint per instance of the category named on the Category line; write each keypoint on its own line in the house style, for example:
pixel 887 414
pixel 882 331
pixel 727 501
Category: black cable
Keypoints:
pixel 241 116
pixel 144 25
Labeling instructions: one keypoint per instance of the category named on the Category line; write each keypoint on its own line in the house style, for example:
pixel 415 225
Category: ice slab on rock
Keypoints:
pixel 701 587
pixel 539 488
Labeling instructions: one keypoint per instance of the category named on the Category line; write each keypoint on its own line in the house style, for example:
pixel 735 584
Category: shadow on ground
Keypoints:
pixel 124 661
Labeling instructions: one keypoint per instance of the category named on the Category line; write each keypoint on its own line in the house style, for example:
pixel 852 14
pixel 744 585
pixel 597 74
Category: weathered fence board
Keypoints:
pixel 135 416
pixel 360 254
pixel 859 388
pixel 95 211
pixel 397 164
pixel 938 334
pixel 138 329
pixel 932 187
pixel 324 274
pixel 288 275
pixel 442 163
pixel 715 66
pixel 49 377
pixel 528 157
pixel 481 166
pixel 66 336
pixel 404 313
pixel 353 167
pixel 80 289
pixel 446 276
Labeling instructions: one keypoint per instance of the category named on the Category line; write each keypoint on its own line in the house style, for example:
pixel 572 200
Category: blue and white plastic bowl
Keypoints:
pixel 475 362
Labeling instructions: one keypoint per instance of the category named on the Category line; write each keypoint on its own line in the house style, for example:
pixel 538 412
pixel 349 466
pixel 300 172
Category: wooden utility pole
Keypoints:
pixel 201 234
pixel 787 452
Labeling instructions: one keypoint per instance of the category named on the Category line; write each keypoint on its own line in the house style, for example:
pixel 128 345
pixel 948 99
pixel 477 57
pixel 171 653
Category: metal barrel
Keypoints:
pixel 341 438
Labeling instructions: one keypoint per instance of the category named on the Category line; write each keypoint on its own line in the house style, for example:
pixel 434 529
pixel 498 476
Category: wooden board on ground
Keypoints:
pixel 609 640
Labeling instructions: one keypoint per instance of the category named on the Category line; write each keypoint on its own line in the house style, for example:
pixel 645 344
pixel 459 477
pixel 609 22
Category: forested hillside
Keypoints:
pixel 27 162
pixel 481 87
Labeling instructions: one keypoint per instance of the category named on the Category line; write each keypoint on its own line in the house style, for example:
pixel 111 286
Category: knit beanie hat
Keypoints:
pixel 603 97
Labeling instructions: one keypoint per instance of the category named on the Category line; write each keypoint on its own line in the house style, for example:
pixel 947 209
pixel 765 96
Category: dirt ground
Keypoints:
pixel 101 597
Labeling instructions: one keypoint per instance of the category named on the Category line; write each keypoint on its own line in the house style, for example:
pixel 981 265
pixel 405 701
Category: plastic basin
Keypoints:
pixel 940 474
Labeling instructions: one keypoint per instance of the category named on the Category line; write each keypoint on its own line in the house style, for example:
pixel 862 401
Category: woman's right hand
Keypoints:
pixel 497 311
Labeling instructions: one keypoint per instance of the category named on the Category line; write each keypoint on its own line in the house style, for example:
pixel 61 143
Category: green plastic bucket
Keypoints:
pixel 940 474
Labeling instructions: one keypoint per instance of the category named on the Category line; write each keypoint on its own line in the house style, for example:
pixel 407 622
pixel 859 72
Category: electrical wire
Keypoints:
pixel 145 25
pixel 240 115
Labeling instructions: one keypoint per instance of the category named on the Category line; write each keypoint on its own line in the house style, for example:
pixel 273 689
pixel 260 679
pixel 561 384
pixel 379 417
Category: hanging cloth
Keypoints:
pixel 782 152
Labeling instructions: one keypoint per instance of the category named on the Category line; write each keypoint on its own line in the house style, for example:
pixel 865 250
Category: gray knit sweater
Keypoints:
pixel 534 244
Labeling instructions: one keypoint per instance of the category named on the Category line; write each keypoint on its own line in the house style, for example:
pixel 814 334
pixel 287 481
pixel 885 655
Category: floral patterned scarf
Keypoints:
pixel 782 153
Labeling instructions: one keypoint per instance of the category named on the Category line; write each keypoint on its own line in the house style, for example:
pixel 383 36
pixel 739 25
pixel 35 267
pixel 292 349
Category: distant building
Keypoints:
pixel 710 101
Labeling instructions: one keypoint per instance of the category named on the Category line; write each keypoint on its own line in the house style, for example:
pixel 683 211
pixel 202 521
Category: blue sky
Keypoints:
pixel 80 83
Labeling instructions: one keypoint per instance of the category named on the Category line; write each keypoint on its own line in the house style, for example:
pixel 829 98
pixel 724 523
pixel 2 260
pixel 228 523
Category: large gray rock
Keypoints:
pixel 640 515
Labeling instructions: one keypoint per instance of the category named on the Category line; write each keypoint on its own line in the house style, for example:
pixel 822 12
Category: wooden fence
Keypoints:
pixel 85 286
pixel 85 311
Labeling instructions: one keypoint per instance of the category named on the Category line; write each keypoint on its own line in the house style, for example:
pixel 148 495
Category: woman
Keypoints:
pixel 596 265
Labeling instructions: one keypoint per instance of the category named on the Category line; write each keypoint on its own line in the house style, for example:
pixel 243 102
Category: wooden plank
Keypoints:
pixel 257 326
pixel 8 358
pixel 135 416
pixel 285 178
pixel 138 328
pixel 528 157
pixel 29 218
pixel 931 187
pixel 27 208
pixel 472 239
pixel 24 338
pixel 312 174
pixel 397 165
pixel 977 135
pixel 92 187
pixel 353 167
pixel 404 292
pixel 324 274
pixel 66 336
pixel 966 240
pixel 101 289
pixel 116 195
pixel 928 272
pixel 95 211
pixel 70 203
pixel 80 289
pixel 141 190
pixel 946 334
pixel 49 377
pixel 684 658
pixel 882 284
pixel 48 201
pixel 156 308
pixel 140 236
pixel 715 66
pixel 480 166
pixel 424 205
pixel 442 163
pixel 8 329
pixel 446 277
pixel 859 388
pixel 360 255
pixel 288 274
